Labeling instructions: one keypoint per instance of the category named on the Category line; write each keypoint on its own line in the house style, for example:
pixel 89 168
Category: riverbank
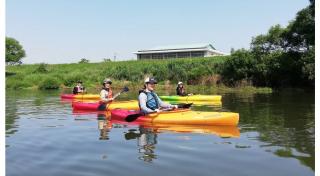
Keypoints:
pixel 195 71
pixel 192 71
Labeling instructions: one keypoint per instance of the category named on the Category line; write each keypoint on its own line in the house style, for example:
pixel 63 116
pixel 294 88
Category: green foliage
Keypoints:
pixel 71 79
pixel 106 60
pixel 49 83
pixel 301 31
pixel 14 51
pixel 308 64
pixel 84 61
pixel 92 74
pixel 272 41
pixel 283 57
pixel 238 66
pixel 17 82
pixel 42 68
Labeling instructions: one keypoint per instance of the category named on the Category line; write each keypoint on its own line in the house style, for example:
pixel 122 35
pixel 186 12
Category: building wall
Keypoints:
pixel 209 54
pixel 172 55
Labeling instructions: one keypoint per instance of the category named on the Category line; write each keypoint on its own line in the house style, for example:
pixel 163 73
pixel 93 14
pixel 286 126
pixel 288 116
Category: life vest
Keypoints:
pixel 109 93
pixel 76 89
pixel 152 100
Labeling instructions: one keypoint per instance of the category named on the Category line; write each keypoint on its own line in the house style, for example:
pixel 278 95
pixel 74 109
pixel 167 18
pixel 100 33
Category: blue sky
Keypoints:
pixel 64 31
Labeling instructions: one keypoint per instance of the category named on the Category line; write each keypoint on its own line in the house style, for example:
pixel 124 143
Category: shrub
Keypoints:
pixel 49 83
pixel 42 68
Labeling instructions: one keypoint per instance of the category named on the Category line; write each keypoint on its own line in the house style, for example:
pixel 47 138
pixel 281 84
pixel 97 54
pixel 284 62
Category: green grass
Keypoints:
pixel 194 71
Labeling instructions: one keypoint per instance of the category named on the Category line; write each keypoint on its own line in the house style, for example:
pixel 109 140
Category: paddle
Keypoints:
pixel 184 105
pixel 133 117
pixel 103 106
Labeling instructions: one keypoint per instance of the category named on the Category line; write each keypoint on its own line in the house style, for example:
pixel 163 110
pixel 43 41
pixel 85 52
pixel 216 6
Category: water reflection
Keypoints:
pixel 146 141
pixel 104 126
pixel 283 119
pixel 281 125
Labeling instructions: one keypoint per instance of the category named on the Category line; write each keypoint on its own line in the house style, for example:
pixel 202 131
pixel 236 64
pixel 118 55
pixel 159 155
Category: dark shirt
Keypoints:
pixel 181 91
pixel 77 89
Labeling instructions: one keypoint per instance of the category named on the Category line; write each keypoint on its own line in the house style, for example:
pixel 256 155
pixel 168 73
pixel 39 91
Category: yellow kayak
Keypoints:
pixel 185 117
pixel 192 98
pixel 222 131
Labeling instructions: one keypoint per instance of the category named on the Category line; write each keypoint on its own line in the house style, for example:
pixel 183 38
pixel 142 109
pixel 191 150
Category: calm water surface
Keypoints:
pixel 275 136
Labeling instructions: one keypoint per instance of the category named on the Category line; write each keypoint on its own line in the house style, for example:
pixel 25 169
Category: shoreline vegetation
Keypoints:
pixel 192 71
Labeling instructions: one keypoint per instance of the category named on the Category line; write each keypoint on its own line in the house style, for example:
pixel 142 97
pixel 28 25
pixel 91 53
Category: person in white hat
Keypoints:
pixel 180 89
pixel 106 91
pixel 149 101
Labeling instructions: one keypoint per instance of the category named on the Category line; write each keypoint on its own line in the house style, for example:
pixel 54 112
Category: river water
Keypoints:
pixel 275 136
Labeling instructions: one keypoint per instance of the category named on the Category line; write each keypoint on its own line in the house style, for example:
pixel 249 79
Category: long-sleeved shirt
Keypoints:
pixel 143 103
pixel 104 96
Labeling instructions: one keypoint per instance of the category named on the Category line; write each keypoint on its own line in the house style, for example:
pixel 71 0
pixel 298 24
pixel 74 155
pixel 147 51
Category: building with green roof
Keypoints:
pixel 179 51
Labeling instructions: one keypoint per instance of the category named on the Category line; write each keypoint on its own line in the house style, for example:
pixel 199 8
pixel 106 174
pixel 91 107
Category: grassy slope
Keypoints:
pixel 192 70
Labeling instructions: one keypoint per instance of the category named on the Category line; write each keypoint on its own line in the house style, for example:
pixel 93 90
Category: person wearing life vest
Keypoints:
pixel 149 101
pixel 180 90
pixel 106 92
pixel 78 88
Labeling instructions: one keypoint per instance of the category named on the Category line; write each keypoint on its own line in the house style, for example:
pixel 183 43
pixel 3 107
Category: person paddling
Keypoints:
pixel 106 91
pixel 149 101
pixel 78 88
pixel 180 90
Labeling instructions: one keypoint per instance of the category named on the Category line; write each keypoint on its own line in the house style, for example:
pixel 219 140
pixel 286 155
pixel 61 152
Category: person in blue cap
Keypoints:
pixel 149 101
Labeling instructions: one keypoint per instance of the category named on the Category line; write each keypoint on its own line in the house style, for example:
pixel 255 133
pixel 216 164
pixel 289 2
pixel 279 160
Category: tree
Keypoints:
pixel 83 61
pixel 14 51
pixel 301 31
pixel 106 60
pixel 271 42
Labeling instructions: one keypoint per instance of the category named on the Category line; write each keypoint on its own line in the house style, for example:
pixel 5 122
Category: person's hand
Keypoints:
pixel 157 110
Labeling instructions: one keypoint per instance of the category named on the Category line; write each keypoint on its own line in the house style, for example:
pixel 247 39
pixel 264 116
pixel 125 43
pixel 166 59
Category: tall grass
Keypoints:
pixel 189 70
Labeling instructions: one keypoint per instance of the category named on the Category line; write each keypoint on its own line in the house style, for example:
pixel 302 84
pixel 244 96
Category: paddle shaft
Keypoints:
pixel 133 117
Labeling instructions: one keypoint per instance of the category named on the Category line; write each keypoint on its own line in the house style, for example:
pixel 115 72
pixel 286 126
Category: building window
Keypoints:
pixel 157 56
pixel 172 55
pixel 183 54
pixel 197 54
pixel 145 56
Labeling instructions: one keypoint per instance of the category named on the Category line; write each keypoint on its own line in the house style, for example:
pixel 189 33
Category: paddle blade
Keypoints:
pixel 184 105
pixel 133 117
pixel 125 89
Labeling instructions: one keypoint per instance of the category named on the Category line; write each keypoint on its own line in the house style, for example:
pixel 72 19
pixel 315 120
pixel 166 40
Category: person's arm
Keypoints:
pixel 83 89
pixel 103 95
pixel 163 104
pixel 143 104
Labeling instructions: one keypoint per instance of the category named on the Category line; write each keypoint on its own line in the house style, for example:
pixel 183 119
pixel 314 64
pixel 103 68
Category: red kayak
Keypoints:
pixel 67 96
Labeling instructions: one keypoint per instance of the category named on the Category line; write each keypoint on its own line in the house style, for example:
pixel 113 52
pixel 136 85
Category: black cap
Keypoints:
pixel 150 80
